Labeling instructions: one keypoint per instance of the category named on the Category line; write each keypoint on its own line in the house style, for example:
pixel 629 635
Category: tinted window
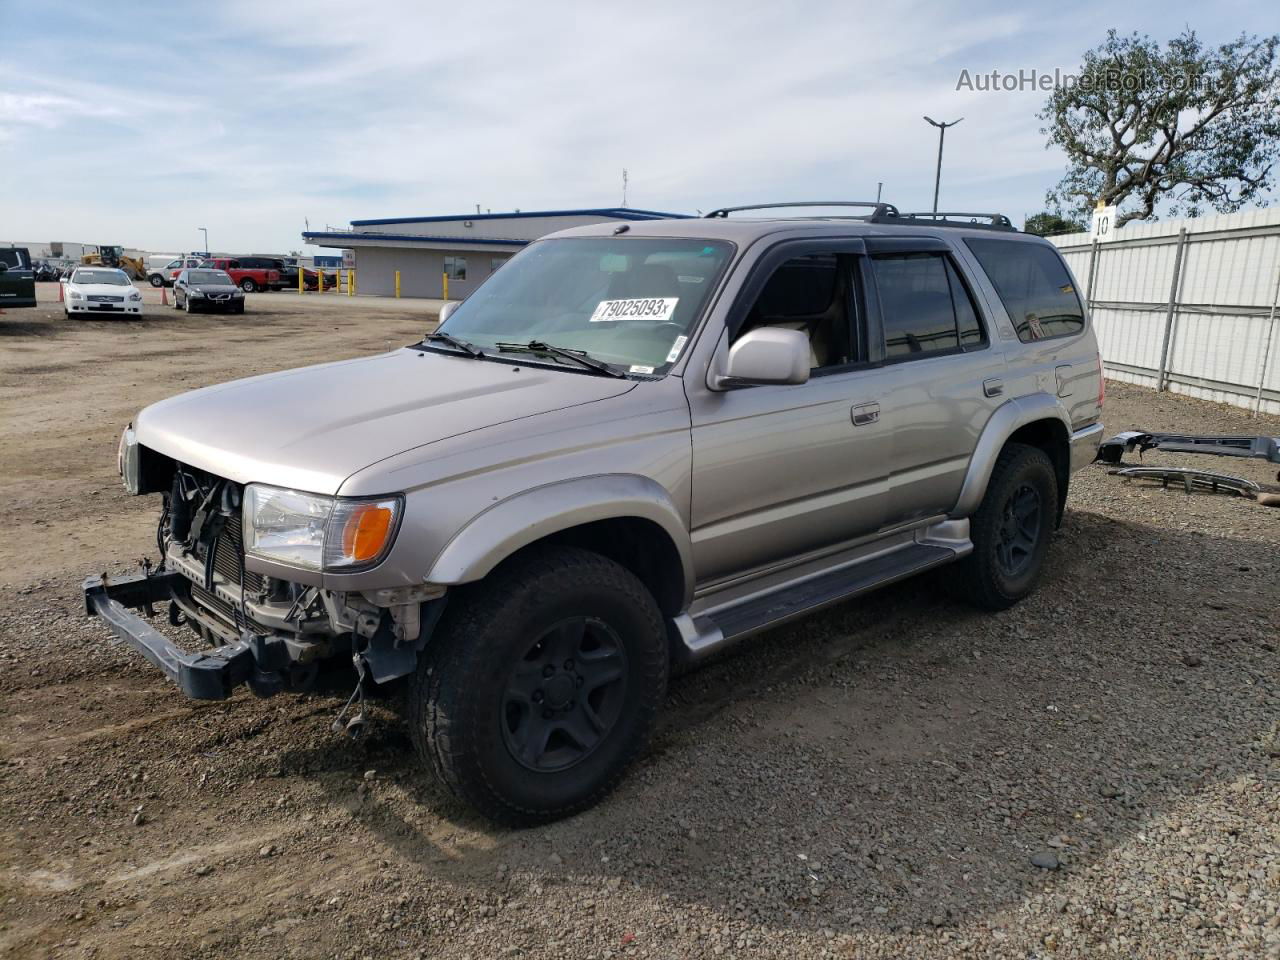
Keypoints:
pixel 915 300
pixel 967 322
pixel 1034 286
pixel 810 294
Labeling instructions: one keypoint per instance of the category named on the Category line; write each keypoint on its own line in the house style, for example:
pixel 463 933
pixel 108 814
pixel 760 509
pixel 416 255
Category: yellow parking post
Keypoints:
pixel 320 279
pixel 397 284
pixel 350 277
pixel 446 285
pixel 353 283
pixel 302 282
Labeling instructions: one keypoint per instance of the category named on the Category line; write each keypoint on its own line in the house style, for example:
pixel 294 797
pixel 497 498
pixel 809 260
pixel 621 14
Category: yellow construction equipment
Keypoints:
pixel 108 256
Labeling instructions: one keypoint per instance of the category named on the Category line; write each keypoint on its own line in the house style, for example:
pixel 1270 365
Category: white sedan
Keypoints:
pixel 100 291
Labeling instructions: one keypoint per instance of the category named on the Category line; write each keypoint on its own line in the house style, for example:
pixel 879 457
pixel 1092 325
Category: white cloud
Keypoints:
pixel 277 112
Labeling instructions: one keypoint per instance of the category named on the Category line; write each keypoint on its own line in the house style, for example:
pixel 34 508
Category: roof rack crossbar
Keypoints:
pixel 996 221
pixel 877 209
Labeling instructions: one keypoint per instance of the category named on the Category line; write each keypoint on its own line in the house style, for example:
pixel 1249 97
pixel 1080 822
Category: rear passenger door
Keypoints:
pixel 943 373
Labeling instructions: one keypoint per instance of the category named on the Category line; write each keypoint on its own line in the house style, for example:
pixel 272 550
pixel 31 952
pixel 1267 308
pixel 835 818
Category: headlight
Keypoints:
pixel 128 459
pixel 136 296
pixel 194 293
pixel 315 532
pixel 72 295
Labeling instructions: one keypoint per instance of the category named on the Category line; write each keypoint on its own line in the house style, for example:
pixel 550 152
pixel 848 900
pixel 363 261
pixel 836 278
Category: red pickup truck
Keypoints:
pixel 246 278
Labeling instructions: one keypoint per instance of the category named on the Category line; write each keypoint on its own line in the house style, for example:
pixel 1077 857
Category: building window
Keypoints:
pixel 455 268
pixel 496 262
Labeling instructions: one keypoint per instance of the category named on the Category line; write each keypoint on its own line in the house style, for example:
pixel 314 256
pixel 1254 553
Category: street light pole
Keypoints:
pixel 209 253
pixel 937 178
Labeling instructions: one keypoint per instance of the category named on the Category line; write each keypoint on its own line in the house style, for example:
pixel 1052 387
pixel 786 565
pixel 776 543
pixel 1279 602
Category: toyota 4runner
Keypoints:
pixel 633 446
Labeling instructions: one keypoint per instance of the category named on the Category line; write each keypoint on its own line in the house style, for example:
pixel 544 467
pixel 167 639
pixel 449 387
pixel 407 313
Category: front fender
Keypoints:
pixel 1017 412
pixel 520 520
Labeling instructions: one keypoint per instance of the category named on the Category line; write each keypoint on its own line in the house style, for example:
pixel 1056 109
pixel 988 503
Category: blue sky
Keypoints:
pixel 137 123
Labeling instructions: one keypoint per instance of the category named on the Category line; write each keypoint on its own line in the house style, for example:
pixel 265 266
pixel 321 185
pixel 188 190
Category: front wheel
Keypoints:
pixel 1010 530
pixel 157 280
pixel 540 686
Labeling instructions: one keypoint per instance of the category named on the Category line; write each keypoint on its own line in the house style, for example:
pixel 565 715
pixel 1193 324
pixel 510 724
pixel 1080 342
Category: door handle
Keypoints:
pixel 993 387
pixel 865 413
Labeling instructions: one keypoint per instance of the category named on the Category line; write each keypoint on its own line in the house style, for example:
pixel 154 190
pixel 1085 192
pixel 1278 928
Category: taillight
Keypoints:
pixel 1102 382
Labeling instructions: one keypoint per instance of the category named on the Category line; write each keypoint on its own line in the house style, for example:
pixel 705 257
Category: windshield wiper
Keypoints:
pixel 468 348
pixel 581 356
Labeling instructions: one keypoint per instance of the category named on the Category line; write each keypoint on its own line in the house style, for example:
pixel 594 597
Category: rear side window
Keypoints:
pixel 1034 286
pixel 927 309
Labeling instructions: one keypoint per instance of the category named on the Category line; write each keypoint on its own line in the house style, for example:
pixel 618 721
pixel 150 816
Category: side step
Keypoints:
pixel 718 628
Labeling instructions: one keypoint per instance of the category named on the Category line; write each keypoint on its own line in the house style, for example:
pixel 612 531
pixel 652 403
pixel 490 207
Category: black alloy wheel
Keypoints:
pixel 1022 515
pixel 564 697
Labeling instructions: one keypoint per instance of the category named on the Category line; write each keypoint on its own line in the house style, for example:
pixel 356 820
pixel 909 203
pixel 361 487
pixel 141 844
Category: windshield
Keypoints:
pixel 631 302
pixel 114 277
pixel 207 276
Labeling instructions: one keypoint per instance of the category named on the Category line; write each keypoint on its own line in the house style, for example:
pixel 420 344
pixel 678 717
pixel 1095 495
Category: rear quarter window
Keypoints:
pixel 1034 286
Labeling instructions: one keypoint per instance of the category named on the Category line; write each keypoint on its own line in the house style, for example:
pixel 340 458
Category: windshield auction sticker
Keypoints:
pixel 657 309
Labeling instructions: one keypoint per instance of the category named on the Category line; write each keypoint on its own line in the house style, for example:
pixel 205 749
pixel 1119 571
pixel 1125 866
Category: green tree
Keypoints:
pixel 1187 124
pixel 1051 224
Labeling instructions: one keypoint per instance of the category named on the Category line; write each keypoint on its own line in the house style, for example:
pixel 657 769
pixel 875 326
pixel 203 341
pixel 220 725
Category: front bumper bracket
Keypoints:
pixel 205 675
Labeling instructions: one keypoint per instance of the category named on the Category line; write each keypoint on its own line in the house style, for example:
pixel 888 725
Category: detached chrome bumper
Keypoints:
pixel 205 675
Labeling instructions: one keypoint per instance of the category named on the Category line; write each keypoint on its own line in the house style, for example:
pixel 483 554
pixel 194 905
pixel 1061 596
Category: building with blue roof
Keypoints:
pixel 467 248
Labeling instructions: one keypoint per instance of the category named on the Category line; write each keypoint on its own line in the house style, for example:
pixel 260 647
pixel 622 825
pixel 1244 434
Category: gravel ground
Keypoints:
pixel 1093 773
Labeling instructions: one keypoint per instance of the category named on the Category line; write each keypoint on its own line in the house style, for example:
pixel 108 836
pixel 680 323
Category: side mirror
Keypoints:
pixel 767 355
pixel 447 310
pixel 4 267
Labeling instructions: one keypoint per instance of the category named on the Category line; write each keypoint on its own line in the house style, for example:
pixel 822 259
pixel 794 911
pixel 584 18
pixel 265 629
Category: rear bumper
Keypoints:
pixel 211 674
pixel 1084 446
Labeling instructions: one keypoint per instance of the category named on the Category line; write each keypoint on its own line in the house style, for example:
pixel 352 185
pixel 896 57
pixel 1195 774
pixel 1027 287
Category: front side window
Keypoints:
pixel 812 294
pixel 455 268
pixel 1034 286
pixel 629 301
pixel 926 308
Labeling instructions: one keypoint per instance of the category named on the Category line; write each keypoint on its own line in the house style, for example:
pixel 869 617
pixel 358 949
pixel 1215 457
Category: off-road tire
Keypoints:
pixel 455 698
pixel 981 579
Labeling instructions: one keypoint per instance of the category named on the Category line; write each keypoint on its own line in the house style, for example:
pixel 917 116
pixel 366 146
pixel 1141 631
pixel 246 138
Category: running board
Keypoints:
pixel 698 637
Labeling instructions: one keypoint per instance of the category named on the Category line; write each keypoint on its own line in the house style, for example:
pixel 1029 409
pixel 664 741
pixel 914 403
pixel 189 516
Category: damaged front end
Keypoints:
pixel 262 629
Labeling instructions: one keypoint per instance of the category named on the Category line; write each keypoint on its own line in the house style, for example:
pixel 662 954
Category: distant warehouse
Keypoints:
pixel 468 248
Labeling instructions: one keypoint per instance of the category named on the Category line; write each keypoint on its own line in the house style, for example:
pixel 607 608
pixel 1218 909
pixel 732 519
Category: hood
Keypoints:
pixel 311 428
pixel 213 287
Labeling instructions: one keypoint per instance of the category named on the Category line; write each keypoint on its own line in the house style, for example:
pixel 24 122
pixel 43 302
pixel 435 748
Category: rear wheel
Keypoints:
pixel 248 285
pixel 1011 529
pixel 541 685
pixel 157 280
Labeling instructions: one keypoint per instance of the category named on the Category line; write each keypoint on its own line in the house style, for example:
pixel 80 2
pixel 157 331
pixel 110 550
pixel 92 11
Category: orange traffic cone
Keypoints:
pixel 62 291
pixel 164 295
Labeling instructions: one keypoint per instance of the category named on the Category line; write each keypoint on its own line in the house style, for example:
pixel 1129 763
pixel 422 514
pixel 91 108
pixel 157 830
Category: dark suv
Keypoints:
pixel 17 281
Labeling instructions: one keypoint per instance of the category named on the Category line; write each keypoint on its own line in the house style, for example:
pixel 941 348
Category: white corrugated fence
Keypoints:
pixel 1188 305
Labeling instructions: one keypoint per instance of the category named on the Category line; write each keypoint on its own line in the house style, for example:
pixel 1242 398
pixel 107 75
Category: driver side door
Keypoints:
pixel 783 470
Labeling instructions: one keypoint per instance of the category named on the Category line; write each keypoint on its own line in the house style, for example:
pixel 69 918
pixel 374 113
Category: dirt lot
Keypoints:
pixel 877 781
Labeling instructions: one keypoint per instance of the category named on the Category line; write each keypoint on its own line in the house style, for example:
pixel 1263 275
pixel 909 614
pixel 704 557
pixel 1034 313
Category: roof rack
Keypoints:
pixel 994 221
pixel 877 209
